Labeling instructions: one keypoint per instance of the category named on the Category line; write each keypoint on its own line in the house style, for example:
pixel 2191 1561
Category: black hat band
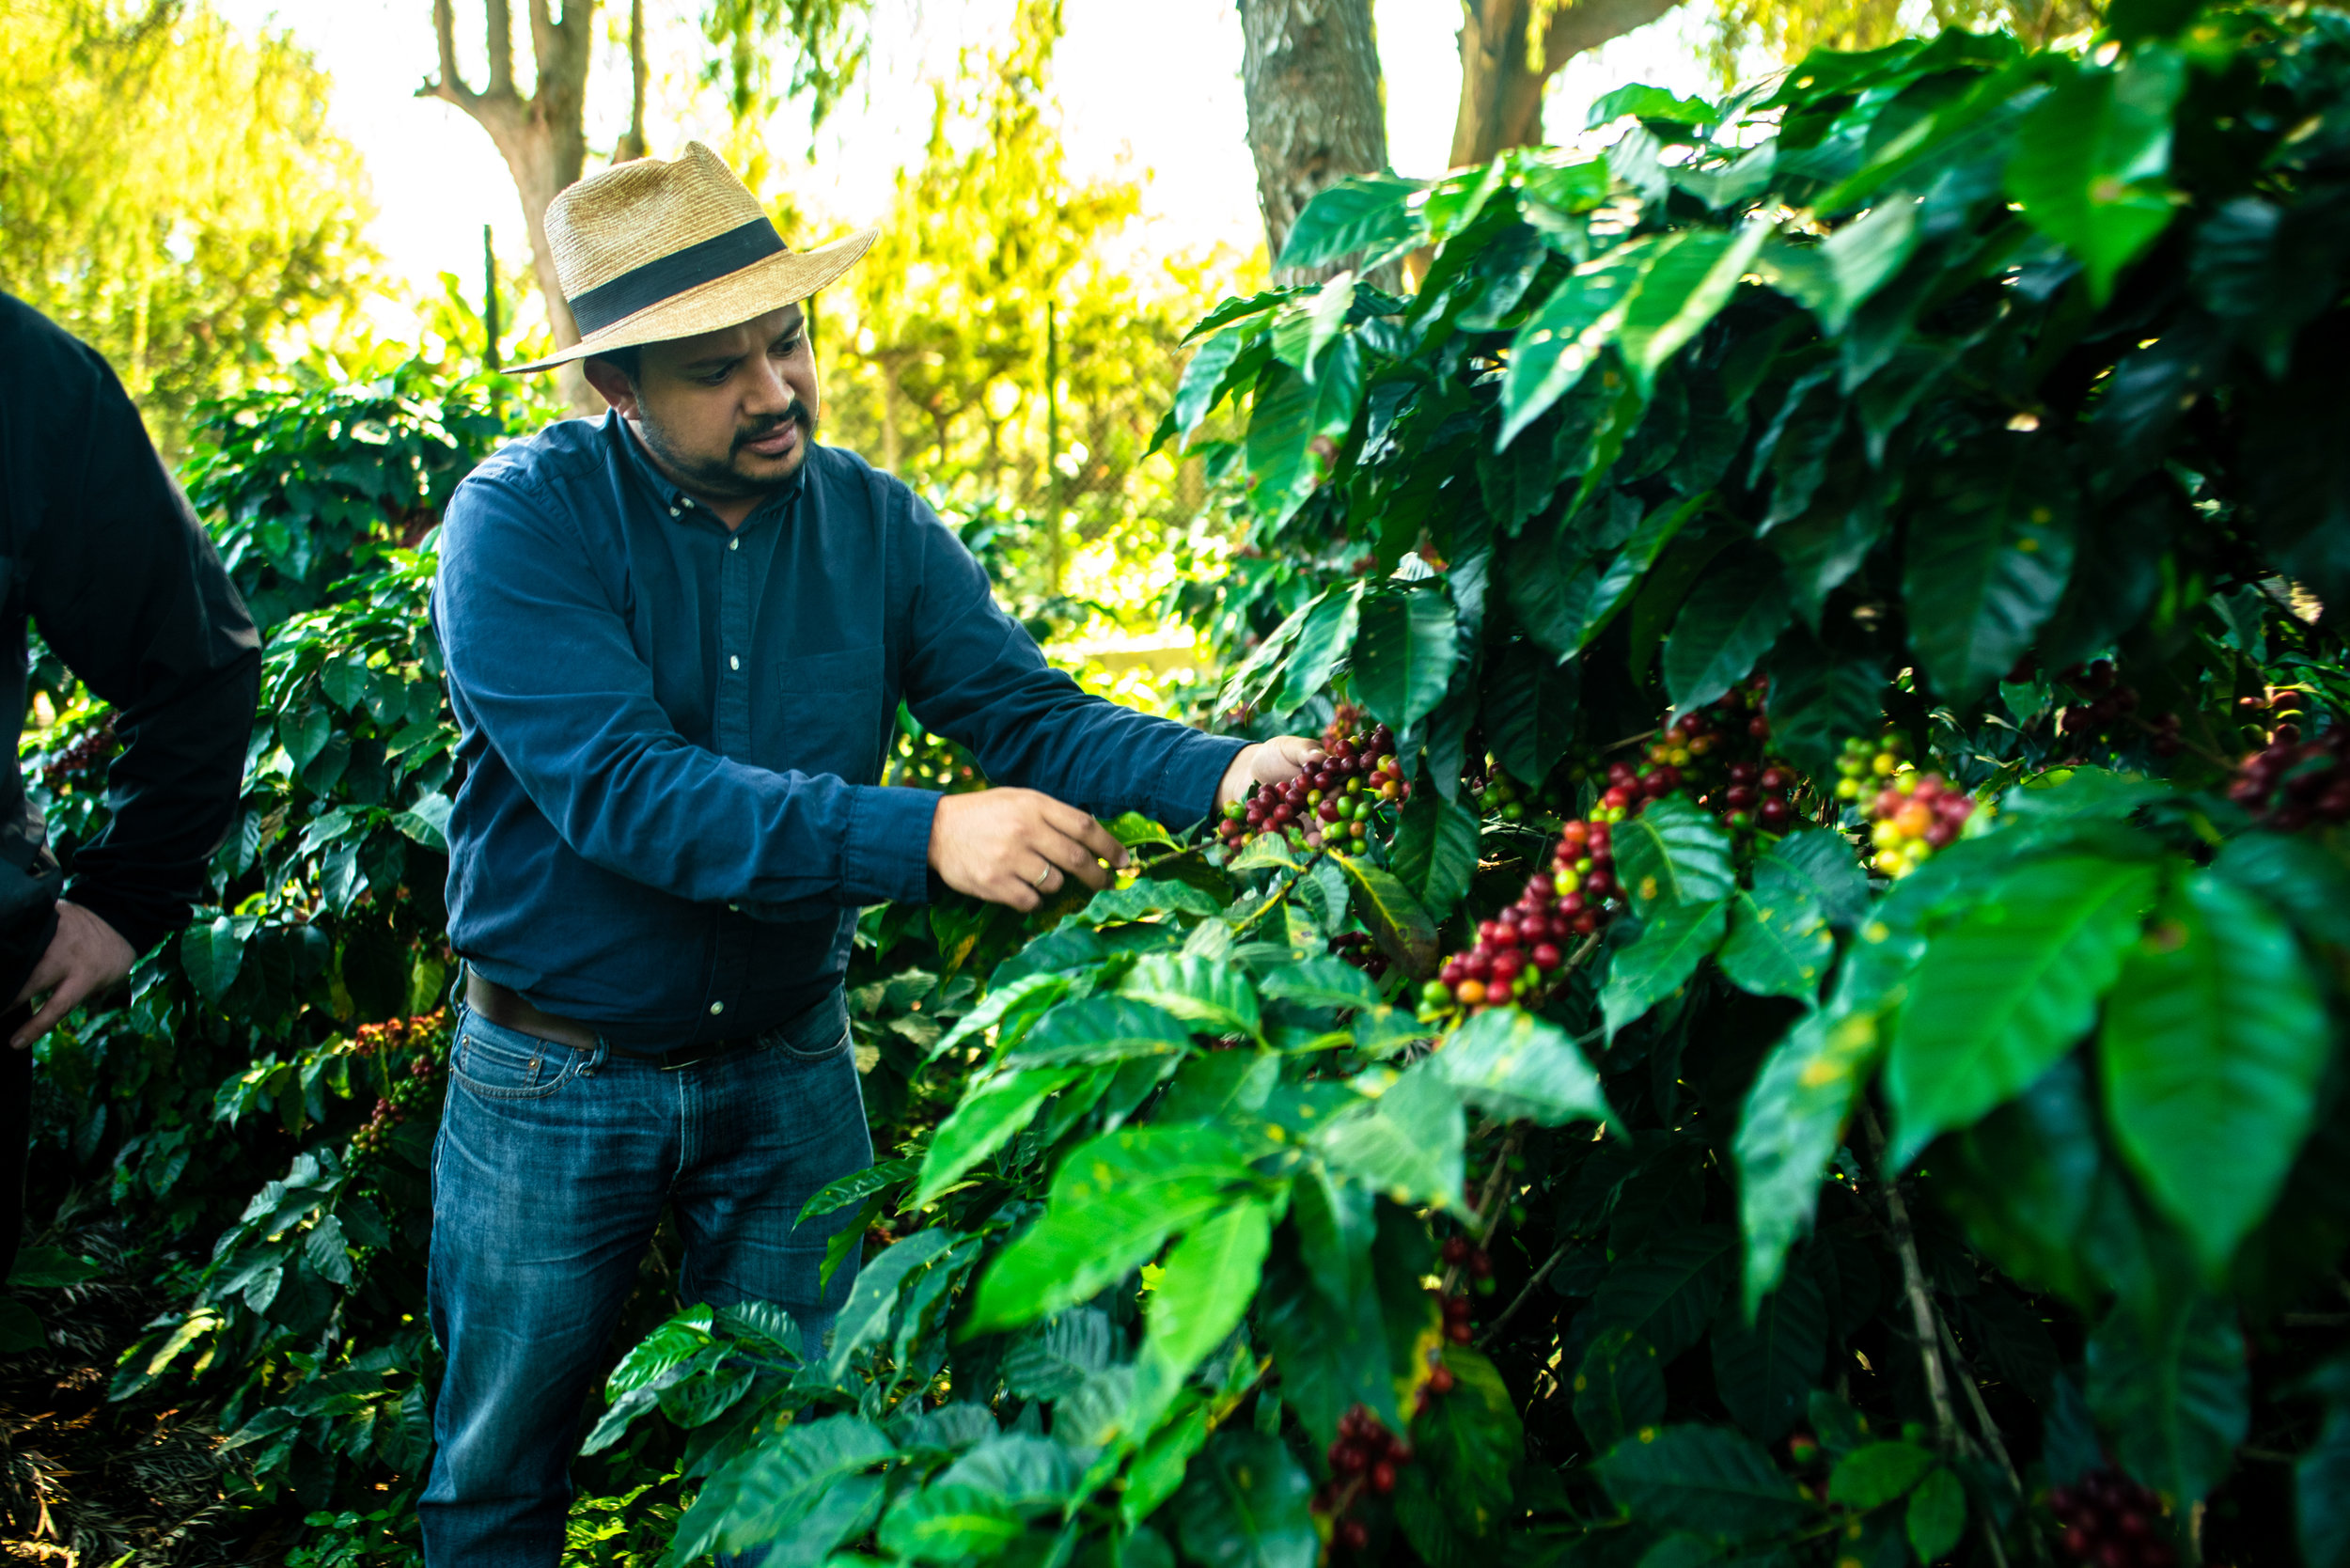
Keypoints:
pixel 705 261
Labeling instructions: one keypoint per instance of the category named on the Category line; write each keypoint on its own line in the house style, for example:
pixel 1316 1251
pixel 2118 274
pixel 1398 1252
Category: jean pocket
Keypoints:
pixel 499 1063
pixel 818 1034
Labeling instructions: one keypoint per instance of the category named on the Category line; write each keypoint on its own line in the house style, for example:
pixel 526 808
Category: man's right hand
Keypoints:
pixel 1018 847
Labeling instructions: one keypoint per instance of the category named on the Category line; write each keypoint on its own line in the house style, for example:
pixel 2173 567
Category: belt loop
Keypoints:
pixel 595 1059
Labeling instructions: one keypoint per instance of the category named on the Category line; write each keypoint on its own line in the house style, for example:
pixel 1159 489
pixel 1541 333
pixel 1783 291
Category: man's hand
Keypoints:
pixel 1274 762
pixel 86 957
pixel 1018 847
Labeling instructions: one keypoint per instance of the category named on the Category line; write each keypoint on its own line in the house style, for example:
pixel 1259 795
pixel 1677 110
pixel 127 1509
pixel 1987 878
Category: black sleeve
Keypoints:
pixel 127 588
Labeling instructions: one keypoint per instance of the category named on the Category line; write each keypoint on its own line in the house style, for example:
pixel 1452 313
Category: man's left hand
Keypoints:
pixel 1274 762
pixel 86 957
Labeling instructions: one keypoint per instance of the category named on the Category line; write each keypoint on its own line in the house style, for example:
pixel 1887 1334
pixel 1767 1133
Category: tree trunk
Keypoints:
pixel 1316 115
pixel 543 139
pixel 1502 78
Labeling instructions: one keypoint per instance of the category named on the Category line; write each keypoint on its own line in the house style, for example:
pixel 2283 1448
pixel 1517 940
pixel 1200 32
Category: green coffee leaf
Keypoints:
pixel 1205 1286
pixel 1325 637
pixel 1529 710
pixel 1668 1291
pixel 1730 620
pixel 1403 931
pixel 1512 1066
pixel 1937 1516
pixel 1619 1388
pixel 1371 215
pixel 1246 1504
pixel 1404 654
pixel 984 1121
pixel 1990 549
pixel 1467 1447
pixel 1779 944
pixel 1050 1359
pixel 1704 1479
pixel 1436 851
pixel 1406 1144
pixel 2174 1394
pixel 949 1523
pixel 1320 982
pixel 1873 1476
pixel 866 1316
pixel 1789 1131
pixel 1672 853
pixel 1212 996
pixel 2006 991
pixel 2214 1043
pixel 1673 941
pixel 2091 158
pixel 1565 334
pixel 1763 1370
pixel 1114 1203
pixel 1099 1030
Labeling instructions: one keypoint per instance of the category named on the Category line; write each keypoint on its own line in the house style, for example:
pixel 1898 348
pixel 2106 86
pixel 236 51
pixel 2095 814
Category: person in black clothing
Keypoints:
pixel 101 552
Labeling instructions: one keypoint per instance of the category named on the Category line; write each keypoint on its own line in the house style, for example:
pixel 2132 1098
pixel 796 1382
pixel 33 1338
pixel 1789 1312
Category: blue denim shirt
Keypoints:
pixel 673 736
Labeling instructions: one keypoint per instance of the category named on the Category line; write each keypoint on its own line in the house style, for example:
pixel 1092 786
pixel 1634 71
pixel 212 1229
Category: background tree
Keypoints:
pixel 1317 111
pixel 543 137
pixel 170 192
pixel 996 345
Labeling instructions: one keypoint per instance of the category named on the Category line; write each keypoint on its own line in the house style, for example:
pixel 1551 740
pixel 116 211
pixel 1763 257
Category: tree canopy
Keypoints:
pixel 171 194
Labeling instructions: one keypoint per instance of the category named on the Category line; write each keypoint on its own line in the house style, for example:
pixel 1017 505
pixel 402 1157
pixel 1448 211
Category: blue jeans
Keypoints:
pixel 550 1169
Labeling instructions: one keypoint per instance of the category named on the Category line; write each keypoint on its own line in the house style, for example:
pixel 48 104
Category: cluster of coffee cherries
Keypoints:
pixel 2272 716
pixel 1331 803
pixel 1357 948
pixel 419 1083
pixel 1719 757
pixel 1364 1457
pixel 81 757
pixel 1914 815
pixel 1525 946
pixel 2111 712
pixel 1466 1256
pixel 2110 1521
pixel 398 1034
pixel 1499 795
pixel 2293 783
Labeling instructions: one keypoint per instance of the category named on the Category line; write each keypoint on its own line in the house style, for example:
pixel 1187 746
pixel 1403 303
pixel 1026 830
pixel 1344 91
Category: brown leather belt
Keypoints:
pixel 510 1010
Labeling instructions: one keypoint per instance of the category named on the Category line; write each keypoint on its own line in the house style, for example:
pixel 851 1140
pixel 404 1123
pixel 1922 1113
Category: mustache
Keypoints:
pixel 798 414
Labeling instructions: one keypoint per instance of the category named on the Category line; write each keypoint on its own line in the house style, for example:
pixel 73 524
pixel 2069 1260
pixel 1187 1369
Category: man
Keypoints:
pixel 674 641
pixel 99 549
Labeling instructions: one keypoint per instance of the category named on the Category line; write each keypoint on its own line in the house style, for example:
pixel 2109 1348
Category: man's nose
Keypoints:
pixel 769 394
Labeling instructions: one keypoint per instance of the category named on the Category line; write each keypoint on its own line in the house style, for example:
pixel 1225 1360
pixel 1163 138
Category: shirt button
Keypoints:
pixel 734 544
pixel 673 512
pixel 733 663
pixel 717 1008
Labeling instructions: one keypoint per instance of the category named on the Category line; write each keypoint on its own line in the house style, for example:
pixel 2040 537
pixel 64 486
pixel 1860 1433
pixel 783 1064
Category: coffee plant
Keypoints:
pixel 1796 1020
pixel 1833 537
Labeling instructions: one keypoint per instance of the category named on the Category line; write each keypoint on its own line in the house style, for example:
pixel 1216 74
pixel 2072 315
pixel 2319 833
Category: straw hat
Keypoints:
pixel 649 251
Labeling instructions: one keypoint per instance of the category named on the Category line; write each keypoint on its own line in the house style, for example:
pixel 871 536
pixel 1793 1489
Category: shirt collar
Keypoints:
pixel 675 501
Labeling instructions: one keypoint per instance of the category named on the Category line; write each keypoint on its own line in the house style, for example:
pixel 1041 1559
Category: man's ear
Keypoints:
pixel 616 388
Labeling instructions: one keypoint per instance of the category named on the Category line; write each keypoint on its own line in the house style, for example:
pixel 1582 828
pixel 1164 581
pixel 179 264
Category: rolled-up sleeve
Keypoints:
pixel 974 673
pixel 542 664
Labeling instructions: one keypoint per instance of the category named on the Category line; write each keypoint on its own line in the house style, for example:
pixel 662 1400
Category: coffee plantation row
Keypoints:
pixel 1799 1021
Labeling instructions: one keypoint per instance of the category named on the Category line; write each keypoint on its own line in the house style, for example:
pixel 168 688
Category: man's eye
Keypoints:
pixel 790 346
pixel 716 377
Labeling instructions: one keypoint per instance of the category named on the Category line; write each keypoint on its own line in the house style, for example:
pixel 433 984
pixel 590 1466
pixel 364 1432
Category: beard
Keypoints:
pixel 725 478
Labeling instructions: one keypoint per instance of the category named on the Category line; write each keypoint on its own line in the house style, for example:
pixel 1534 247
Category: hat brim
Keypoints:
pixel 765 285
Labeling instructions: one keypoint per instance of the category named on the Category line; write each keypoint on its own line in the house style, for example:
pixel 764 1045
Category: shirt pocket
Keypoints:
pixel 822 714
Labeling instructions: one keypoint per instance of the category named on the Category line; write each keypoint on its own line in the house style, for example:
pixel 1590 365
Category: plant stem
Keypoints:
pixel 1914 1282
pixel 1489 1206
pixel 1512 1310
pixel 1974 1400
